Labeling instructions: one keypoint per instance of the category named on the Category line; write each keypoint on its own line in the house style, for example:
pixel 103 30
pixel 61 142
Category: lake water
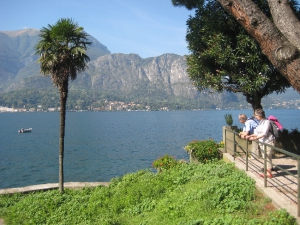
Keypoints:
pixel 103 145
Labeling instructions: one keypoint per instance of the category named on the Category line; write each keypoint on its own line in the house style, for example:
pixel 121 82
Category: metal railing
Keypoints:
pixel 231 144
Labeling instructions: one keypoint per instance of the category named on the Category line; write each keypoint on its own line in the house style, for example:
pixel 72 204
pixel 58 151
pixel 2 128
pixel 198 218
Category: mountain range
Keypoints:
pixel 161 77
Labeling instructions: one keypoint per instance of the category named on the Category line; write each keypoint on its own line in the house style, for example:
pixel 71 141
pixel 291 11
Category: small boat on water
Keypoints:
pixel 25 130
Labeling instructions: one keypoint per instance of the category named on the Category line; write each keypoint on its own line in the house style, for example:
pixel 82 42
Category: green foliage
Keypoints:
pixel 211 193
pixel 204 151
pixel 294 131
pixel 289 140
pixel 221 144
pixel 290 133
pixel 225 58
pixel 165 162
pixel 228 119
pixel 62 50
pixel 281 217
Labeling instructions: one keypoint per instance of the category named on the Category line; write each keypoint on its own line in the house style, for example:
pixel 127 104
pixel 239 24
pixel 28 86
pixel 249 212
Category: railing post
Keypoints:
pixel 234 146
pixel 225 139
pixel 247 155
pixel 265 166
pixel 298 200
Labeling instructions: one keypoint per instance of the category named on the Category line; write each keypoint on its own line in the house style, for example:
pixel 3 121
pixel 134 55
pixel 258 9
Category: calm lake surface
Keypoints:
pixel 102 145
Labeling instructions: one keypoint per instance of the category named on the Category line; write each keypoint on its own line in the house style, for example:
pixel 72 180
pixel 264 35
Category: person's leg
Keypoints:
pixel 268 155
pixel 255 150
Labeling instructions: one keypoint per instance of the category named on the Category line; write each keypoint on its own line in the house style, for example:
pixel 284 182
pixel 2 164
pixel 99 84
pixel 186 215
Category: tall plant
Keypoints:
pixel 228 119
pixel 62 50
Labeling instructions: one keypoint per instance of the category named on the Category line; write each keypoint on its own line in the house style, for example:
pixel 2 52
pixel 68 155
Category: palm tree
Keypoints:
pixel 62 50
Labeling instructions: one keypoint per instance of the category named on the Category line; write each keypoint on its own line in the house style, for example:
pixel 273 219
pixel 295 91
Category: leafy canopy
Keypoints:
pixel 225 58
pixel 62 50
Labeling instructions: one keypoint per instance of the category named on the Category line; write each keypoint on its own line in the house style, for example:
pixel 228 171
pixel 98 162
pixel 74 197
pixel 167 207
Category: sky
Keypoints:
pixel 148 28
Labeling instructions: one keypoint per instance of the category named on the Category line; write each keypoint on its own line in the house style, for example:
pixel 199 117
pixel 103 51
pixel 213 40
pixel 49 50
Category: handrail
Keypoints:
pixel 229 141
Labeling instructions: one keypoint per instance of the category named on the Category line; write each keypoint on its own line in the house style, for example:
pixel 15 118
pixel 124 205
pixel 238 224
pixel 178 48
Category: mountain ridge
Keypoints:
pixel 153 78
pixel 27 31
pixel 119 72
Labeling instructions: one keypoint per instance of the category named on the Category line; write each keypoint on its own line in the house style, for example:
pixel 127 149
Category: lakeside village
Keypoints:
pixel 109 106
pixel 131 106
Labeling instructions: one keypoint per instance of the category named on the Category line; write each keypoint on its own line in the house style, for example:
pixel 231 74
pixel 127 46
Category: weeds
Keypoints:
pixel 211 193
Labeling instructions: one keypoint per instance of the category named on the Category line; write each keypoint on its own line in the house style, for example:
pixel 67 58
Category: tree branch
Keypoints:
pixel 282 53
pixel 285 20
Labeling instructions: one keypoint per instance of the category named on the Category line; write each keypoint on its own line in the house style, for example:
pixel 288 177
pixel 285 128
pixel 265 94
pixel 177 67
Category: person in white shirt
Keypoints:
pixel 263 134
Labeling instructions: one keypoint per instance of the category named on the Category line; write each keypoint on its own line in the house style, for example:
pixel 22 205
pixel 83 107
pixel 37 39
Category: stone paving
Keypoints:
pixel 49 186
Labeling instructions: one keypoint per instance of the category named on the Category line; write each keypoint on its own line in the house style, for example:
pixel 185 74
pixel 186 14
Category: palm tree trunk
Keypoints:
pixel 63 102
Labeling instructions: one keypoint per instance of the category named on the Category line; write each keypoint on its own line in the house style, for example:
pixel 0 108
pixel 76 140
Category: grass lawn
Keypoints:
pixel 187 194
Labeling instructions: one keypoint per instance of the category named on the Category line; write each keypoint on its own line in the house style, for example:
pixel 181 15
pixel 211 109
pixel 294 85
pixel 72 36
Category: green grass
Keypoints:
pixel 188 194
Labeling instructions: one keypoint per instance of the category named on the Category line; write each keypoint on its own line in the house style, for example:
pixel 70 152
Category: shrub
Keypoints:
pixel 204 150
pixel 228 119
pixel 289 140
pixel 221 144
pixel 164 162
pixel 281 217
pixel 294 131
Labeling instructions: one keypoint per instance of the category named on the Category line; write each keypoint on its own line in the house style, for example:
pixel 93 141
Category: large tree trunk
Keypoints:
pixel 63 103
pixel 280 51
pixel 285 20
pixel 254 100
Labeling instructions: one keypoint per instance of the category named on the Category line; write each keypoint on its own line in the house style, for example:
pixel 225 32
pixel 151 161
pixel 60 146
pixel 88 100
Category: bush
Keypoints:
pixel 281 217
pixel 288 133
pixel 221 144
pixel 228 119
pixel 164 162
pixel 289 140
pixel 294 131
pixel 204 150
